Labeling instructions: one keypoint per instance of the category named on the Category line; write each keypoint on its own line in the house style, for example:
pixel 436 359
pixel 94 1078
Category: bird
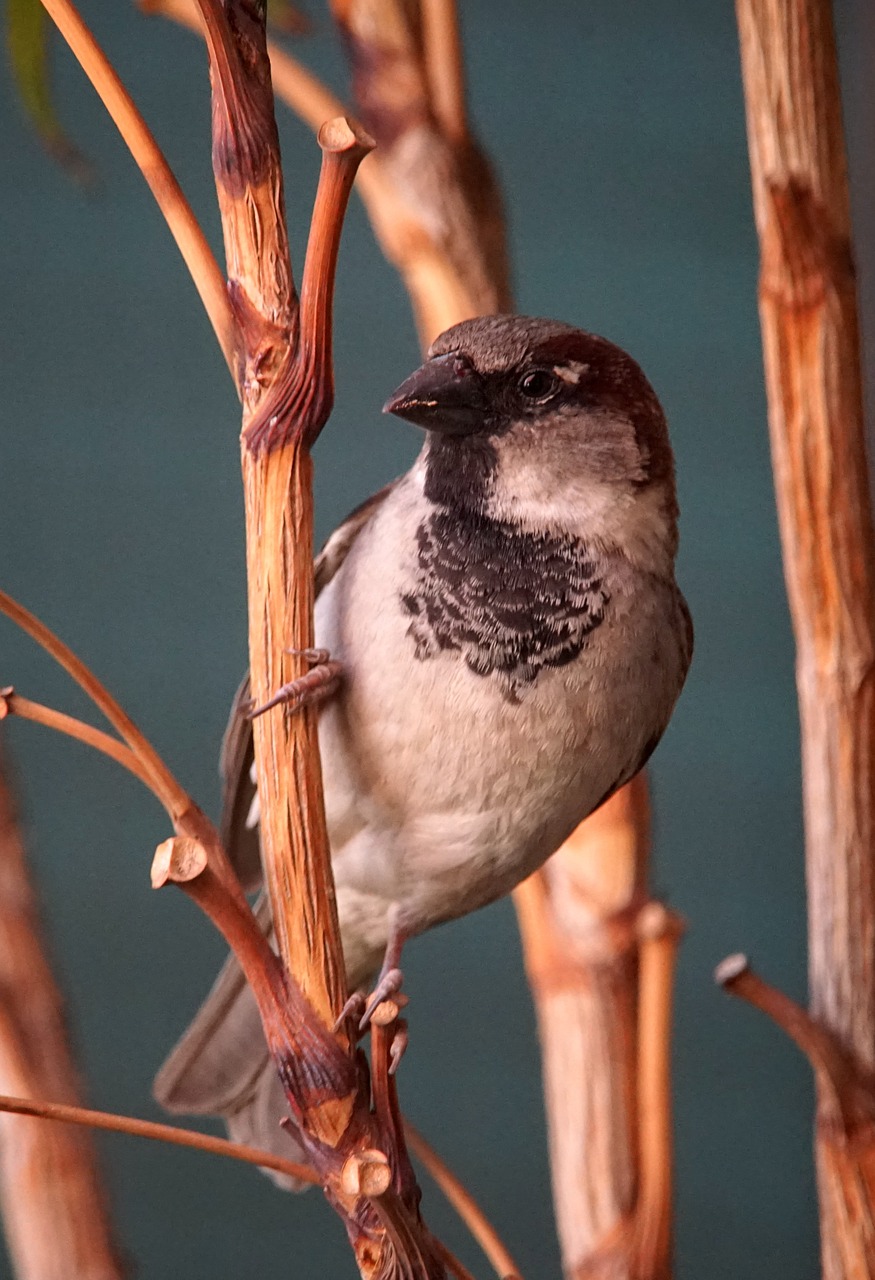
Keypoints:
pixel 507 643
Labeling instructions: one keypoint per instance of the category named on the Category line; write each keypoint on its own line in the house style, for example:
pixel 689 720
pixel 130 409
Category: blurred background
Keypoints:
pixel 618 134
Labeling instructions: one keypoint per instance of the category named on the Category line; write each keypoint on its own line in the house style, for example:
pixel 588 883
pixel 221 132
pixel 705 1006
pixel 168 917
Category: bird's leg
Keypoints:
pixel 319 683
pixel 361 1008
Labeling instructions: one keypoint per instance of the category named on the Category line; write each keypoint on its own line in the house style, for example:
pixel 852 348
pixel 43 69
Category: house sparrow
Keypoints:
pixel 512 643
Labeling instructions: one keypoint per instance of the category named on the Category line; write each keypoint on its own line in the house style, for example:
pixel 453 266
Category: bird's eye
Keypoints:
pixel 538 385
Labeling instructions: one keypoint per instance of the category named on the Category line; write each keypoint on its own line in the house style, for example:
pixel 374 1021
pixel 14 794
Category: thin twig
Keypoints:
pixel 13 704
pixel 174 798
pixel 158 1133
pixel 465 1205
pixel 184 227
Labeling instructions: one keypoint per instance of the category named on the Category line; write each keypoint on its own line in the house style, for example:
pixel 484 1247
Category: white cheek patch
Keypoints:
pixel 571 372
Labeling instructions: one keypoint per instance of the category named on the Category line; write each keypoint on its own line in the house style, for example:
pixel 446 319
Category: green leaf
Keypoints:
pixel 27 37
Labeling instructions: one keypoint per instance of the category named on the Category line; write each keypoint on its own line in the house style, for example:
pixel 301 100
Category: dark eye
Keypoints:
pixel 538 385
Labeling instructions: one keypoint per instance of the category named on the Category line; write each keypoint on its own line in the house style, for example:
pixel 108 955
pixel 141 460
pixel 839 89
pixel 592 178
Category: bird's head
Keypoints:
pixel 537 422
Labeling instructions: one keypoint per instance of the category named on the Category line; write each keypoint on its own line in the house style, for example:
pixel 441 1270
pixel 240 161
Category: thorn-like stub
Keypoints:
pixel 179 860
pixel 385 1013
pixel 366 1173
pixel 343 133
pixel 731 969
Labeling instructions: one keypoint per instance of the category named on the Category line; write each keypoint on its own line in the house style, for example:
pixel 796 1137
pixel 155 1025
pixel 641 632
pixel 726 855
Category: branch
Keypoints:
pixel 437 212
pixel 54 1207
pixel 845 1130
pixel 659 932
pixel 603 1024
pixel 808 314
pixel 178 215
pixel 849 1092
pixel 445 68
pixel 197 862
pixel 158 1133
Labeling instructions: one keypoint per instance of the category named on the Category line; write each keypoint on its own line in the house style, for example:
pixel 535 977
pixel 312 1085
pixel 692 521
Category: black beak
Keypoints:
pixel 446 394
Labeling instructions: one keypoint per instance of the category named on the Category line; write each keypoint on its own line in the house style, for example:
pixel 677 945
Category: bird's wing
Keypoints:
pixel 221 1064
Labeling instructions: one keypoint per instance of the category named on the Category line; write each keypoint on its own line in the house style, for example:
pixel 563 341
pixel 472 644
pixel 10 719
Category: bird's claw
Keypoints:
pixel 317 684
pixel 352 1011
pixel 360 1009
pixel 399 1044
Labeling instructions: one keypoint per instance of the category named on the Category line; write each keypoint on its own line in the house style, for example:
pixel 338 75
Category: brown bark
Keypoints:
pixel 600 964
pixel 808 312
pixel 54 1208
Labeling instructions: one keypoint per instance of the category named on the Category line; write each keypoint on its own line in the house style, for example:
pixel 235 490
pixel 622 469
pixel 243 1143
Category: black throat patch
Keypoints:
pixel 511 601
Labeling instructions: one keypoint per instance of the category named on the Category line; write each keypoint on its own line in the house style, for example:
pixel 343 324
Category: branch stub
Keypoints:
pixel 366 1173
pixel 179 859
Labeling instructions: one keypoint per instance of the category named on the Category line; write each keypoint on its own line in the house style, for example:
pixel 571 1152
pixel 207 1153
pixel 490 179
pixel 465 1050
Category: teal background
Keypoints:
pixel 618 133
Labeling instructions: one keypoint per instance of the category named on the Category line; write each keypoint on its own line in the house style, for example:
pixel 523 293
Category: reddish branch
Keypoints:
pixel 808 312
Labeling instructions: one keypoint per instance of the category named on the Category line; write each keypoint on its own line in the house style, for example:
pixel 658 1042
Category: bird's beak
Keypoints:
pixel 446 394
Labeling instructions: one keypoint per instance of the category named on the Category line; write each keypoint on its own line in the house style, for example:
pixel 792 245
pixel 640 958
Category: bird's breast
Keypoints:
pixel 493 695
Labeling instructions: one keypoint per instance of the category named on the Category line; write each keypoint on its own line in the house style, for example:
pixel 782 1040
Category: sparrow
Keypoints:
pixel 512 643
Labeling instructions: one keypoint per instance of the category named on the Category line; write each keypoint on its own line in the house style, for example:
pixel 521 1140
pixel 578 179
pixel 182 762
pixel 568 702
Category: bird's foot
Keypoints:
pixel 387 988
pixel 360 1009
pixel 319 683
